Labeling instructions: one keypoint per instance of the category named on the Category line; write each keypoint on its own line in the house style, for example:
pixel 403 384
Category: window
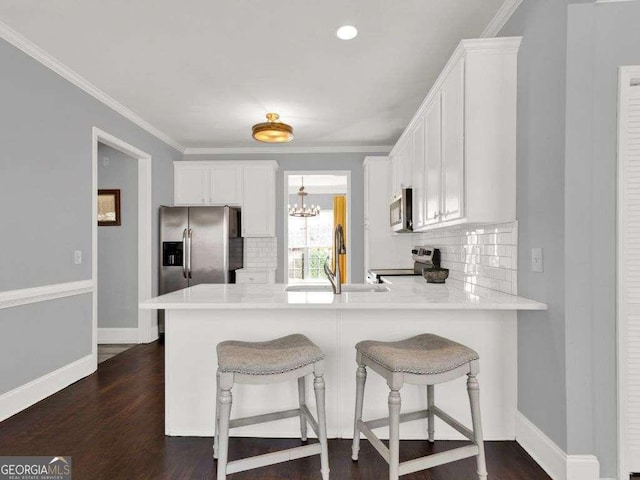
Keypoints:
pixel 310 244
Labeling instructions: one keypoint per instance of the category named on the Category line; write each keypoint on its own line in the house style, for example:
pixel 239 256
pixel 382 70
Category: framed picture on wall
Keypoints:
pixel 109 208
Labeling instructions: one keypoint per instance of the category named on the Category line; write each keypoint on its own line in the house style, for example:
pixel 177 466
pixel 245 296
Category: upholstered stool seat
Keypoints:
pixel 424 354
pixel 421 360
pixel 274 361
pixel 268 358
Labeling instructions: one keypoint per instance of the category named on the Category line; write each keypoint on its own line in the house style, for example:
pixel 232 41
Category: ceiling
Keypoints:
pixel 318 183
pixel 203 72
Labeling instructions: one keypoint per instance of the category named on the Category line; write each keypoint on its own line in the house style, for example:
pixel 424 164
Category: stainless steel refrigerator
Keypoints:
pixel 198 245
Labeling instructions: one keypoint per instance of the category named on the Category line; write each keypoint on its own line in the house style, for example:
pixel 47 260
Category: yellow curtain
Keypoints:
pixel 340 218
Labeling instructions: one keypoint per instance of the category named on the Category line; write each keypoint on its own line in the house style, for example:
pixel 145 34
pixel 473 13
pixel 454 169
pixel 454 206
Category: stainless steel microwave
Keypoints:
pixel 400 212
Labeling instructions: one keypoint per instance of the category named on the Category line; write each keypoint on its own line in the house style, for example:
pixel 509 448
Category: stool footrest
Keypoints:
pixel 310 419
pixel 273 458
pixel 452 422
pixel 436 459
pixel 264 418
pixel 405 417
pixel 374 440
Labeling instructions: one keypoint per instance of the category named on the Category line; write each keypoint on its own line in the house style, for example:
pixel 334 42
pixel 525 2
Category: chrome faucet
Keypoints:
pixel 335 276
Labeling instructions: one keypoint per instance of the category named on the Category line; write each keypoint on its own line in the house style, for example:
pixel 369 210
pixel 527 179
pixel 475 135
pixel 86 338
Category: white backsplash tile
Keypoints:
pixel 481 257
pixel 261 253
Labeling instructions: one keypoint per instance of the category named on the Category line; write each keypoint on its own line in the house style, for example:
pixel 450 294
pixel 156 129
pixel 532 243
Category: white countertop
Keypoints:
pixel 406 293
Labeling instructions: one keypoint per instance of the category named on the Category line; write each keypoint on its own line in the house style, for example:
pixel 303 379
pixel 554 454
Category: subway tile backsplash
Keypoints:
pixel 261 253
pixel 481 257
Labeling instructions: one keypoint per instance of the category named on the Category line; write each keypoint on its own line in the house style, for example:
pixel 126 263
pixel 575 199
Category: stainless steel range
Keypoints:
pixel 423 257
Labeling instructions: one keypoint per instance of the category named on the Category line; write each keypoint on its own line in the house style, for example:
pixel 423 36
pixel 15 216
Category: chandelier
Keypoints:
pixel 303 210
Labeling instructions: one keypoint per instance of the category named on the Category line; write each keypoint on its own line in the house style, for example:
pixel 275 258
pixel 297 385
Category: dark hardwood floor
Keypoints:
pixel 111 424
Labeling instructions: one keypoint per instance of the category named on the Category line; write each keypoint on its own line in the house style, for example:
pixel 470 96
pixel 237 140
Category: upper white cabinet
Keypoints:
pixel 250 185
pixel 190 184
pixel 464 172
pixel 259 205
pixel 402 167
pixel 201 183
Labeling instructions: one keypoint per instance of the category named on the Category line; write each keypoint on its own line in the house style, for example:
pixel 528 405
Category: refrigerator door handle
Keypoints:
pixel 189 254
pixel 184 253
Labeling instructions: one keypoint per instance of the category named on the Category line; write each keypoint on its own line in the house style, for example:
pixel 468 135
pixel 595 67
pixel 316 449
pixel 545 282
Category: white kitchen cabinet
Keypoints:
pixel 401 167
pixel 226 185
pixel 382 248
pixel 259 201
pixel 255 276
pixel 205 183
pixel 191 184
pixel 432 164
pixel 250 185
pixel 419 180
pixel 467 172
pixel 452 108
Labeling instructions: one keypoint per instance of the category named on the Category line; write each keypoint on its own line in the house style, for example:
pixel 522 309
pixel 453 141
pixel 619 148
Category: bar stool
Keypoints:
pixel 275 361
pixel 422 360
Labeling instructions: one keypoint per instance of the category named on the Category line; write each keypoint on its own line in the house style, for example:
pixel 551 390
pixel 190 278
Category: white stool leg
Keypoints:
pixel 361 378
pixel 430 417
pixel 223 427
pixel 216 428
pixel 473 388
pixel 302 400
pixel 318 387
pixel 394 434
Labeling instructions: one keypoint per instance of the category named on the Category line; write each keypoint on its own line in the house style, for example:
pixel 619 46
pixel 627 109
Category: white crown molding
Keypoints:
pixel 614 1
pixel 552 459
pixel 18 399
pixel 276 149
pixel 14 298
pixel 501 18
pixel 38 54
pixel 220 163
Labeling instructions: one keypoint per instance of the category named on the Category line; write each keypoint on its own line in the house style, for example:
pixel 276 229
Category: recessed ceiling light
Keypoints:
pixel 347 32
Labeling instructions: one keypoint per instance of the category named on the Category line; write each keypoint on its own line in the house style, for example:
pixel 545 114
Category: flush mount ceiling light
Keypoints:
pixel 347 32
pixel 272 131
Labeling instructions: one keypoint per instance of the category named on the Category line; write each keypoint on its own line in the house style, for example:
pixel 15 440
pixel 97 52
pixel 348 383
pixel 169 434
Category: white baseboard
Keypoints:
pixel 23 397
pixel 117 335
pixel 554 461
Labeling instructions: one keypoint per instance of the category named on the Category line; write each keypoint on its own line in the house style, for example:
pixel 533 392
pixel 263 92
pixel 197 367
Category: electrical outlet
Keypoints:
pixel 536 260
pixel 105 161
pixel 77 257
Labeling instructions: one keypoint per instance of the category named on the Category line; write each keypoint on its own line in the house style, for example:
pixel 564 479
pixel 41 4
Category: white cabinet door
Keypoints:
pixel 259 202
pixel 452 101
pixel 419 190
pixel 433 164
pixel 406 164
pixel 226 185
pixel 190 185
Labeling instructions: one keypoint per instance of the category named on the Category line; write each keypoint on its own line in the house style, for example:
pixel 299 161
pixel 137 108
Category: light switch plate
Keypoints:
pixel 536 260
pixel 77 257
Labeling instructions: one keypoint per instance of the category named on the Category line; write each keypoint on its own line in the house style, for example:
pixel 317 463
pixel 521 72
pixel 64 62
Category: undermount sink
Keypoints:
pixel 349 288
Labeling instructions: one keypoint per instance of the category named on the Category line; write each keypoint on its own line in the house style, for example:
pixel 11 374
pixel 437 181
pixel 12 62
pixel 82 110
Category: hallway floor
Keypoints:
pixel 112 426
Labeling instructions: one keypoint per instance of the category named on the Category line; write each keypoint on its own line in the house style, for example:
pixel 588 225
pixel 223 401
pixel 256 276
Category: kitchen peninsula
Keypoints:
pixel 200 317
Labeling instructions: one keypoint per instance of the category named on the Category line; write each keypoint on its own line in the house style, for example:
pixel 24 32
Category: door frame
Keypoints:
pixel 625 75
pixel 285 222
pixel 147 330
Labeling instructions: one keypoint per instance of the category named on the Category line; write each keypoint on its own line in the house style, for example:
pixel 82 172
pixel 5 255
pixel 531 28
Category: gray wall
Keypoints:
pixel 45 186
pixel 118 245
pixel 310 162
pixel 540 210
pixel 602 37
pixel 567 136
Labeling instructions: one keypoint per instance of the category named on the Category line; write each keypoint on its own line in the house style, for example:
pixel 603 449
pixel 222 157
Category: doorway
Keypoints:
pixel 308 236
pixel 142 329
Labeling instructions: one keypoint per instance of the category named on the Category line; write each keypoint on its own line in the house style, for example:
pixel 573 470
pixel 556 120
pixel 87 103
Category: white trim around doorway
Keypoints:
pixel 285 222
pixel 147 330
